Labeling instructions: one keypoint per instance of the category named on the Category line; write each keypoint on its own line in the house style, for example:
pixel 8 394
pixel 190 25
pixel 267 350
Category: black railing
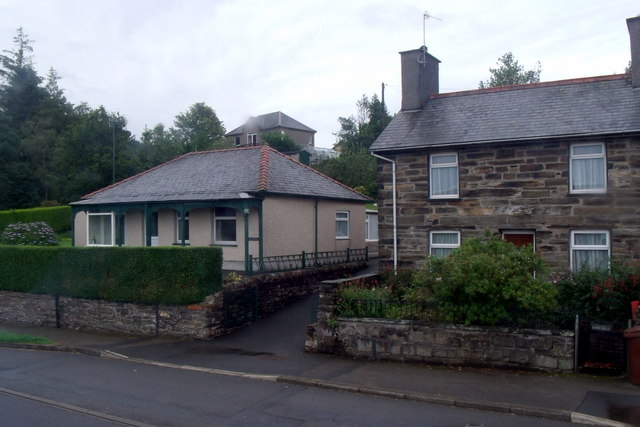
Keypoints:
pixel 279 263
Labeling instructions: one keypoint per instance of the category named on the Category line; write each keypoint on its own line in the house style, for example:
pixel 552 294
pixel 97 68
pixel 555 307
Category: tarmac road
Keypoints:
pixel 46 388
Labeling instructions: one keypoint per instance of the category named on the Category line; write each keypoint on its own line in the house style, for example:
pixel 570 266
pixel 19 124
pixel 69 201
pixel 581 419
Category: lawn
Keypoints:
pixel 23 338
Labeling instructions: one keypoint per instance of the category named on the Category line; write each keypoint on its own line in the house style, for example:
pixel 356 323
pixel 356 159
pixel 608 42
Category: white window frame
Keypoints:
pixel 178 229
pixel 367 221
pixel 574 248
pixel 433 245
pixel 252 139
pixel 113 228
pixel 443 165
pixel 236 142
pixel 572 157
pixel 342 219
pixel 217 218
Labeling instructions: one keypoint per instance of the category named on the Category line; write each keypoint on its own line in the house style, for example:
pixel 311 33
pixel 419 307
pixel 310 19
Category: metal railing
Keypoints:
pixel 279 263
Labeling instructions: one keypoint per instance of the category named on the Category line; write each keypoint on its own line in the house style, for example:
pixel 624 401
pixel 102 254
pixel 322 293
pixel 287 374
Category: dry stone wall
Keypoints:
pixel 512 186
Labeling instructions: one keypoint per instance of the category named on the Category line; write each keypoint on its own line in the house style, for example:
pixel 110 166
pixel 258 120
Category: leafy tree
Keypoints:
pixel 357 170
pixel 356 167
pixel 199 128
pixel 510 72
pixel 280 141
pixel 84 157
pixel 159 145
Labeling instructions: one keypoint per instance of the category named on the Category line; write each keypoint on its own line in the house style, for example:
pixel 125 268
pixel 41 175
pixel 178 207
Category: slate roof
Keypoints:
pixel 223 175
pixel 604 105
pixel 271 121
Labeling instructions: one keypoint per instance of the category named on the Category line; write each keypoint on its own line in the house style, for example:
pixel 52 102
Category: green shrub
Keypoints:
pixel 601 295
pixel 172 275
pixel 58 217
pixel 29 234
pixel 486 282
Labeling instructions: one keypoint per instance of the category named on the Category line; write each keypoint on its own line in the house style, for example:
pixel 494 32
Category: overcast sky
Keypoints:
pixel 150 60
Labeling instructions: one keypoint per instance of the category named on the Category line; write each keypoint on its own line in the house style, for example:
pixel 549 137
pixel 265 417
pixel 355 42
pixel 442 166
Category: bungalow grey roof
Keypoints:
pixel 269 121
pixel 571 108
pixel 223 175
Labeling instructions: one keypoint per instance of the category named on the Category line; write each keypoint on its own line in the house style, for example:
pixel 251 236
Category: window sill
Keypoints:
pixel 228 244
pixel 343 238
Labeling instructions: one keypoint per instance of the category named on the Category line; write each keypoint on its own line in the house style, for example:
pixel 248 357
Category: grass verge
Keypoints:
pixel 23 338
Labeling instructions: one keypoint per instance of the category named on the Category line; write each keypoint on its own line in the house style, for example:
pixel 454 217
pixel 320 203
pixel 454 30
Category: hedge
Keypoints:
pixel 57 217
pixel 163 275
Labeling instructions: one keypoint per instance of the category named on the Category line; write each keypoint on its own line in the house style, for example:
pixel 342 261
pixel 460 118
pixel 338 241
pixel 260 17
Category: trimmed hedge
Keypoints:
pixel 57 217
pixel 164 275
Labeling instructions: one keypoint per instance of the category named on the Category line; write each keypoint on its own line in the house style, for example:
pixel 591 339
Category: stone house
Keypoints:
pixel 251 201
pixel 555 165
pixel 249 134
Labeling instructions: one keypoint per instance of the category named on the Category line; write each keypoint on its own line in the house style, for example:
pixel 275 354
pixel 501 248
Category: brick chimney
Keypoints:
pixel 419 78
pixel 634 34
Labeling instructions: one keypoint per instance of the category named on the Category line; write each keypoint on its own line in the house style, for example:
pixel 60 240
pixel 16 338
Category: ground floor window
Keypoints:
pixel 100 229
pixel 342 225
pixel 180 229
pixel 442 243
pixel 371 224
pixel 590 249
pixel 224 226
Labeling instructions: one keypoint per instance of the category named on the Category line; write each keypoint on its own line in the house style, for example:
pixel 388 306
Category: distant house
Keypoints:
pixel 251 201
pixel 554 165
pixel 249 134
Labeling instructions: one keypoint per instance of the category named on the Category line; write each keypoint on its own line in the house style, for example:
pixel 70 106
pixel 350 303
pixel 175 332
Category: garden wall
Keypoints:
pixel 413 341
pixel 205 320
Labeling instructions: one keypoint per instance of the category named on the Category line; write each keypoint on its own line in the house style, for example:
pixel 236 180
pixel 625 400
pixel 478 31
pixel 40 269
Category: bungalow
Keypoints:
pixel 253 202
pixel 555 165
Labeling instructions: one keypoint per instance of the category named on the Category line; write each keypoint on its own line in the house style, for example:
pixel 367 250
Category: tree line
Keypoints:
pixel 54 152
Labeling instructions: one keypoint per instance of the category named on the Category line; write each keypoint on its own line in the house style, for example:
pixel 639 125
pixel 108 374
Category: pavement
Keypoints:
pixel 272 349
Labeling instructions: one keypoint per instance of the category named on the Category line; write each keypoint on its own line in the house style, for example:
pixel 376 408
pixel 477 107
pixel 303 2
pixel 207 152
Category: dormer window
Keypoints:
pixel 252 139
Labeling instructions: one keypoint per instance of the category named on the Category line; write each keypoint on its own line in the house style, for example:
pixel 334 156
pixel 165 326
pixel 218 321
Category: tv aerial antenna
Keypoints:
pixel 426 15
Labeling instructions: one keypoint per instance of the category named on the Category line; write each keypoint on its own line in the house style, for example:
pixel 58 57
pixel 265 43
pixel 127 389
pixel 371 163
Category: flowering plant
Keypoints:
pixel 29 234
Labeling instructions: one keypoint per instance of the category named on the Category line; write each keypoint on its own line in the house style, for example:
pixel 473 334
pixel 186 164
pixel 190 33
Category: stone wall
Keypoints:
pixel 512 186
pixel 204 320
pixel 412 341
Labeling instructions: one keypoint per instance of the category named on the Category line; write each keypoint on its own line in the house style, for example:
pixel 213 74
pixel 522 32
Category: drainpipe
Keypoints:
pixel 395 216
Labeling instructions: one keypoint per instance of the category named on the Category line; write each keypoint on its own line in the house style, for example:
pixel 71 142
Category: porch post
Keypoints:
pixel 260 235
pixel 182 226
pixel 247 258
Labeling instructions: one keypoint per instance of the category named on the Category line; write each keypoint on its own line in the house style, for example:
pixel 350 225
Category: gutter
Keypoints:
pixel 395 216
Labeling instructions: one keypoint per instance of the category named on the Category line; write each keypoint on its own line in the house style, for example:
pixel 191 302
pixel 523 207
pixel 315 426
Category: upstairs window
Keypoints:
pixel 252 139
pixel 101 229
pixel 590 249
pixel 342 225
pixel 236 141
pixel 588 171
pixel 442 243
pixel 224 226
pixel 443 172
